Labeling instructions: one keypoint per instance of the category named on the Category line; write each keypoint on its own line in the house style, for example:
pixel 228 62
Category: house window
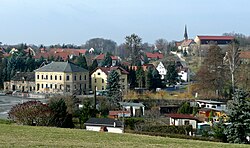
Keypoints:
pixel 67 88
pixel 186 122
pixel 85 77
pixel 42 76
pixel 42 85
pixel 50 85
pixel 55 86
pixel 102 87
pixel 60 87
pixel 80 86
pixel 67 78
pixel 80 77
pixel 38 86
pixel 98 73
pixel 46 86
pixel 60 77
pixel 37 76
pixel 102 80
pixel 75 77
pixel 51 77
pixel 85 86
pixel 46 77
pixel 95 80
pixel 55 77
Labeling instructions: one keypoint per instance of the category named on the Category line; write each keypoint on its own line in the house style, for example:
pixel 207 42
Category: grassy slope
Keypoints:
pixel 26 136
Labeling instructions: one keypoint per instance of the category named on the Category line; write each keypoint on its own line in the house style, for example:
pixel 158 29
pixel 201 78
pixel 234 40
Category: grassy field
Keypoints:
pixel 27 136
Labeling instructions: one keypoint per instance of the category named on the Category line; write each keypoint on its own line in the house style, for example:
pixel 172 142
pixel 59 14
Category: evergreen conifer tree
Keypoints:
pixel 114 93
pixel 239 117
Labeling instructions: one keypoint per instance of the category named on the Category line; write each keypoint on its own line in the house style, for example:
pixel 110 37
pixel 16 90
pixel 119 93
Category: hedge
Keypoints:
pixel 185 129
pixel 174 136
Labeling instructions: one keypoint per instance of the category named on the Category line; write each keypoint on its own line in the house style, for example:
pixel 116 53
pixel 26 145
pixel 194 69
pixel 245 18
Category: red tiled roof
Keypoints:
pixel 115 113
pixel 154 55
pixel 186 42
pixel 45 55
pixel 144 67
pixel 181 116
pixel 107 70
pixel 59 52
pixel 69 50
pixel 215 37
pixel 244 55
pixel 102 57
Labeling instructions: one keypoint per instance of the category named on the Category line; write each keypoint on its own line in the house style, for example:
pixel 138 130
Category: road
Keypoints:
pixel 6 102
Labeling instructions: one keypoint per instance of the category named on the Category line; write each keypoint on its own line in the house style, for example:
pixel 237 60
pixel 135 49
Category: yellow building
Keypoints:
pixel 62 78
pixel 99 78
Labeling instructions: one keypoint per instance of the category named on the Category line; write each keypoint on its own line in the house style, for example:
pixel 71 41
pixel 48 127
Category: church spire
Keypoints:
pixel 185 33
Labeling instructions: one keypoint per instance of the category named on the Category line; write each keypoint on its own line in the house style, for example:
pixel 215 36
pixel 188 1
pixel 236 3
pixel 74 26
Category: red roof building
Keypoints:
pixel 154 55
pixel 220 40
pixel 102 57
pixel 62 53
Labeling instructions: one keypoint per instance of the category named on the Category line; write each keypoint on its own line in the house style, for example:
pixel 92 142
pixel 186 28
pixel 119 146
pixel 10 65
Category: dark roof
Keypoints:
pixel 61 67
pixel 215 37
pixel 103 122
pixel 181 116
pixel 24 76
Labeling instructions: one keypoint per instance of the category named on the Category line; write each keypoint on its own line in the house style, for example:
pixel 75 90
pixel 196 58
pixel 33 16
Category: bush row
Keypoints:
pixel 168 129
pixel 173 136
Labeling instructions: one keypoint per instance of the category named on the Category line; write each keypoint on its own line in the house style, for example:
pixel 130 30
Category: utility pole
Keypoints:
pixel 95 98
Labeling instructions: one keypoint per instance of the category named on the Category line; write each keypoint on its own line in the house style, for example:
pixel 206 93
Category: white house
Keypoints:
pixel 104 124
pixel 133 108
pixel 162 70
pixel 182 119
pixel 184 74
pixel 211 104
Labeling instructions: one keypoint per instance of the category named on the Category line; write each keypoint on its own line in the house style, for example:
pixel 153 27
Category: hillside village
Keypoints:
pixel 184 87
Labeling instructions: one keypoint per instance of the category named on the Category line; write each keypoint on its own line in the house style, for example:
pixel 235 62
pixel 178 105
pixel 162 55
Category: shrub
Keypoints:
pixel 4 121
pixel 31 113
pixel 174 136
pixel 60 117
pixel 130 123
pixel 168 129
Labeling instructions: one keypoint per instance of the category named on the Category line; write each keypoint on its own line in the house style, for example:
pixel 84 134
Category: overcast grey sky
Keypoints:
pixel 75 21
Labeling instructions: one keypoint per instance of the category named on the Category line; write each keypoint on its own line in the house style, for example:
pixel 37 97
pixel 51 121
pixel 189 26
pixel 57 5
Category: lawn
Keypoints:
pixel 27 136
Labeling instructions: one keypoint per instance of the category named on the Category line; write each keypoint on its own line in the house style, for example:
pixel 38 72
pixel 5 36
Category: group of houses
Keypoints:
pixel 209 112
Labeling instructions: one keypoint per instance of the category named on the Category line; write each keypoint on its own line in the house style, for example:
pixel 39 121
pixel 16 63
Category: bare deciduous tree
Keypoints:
pixel 232 60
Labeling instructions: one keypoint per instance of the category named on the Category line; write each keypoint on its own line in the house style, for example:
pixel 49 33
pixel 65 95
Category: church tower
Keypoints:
pixel 185 33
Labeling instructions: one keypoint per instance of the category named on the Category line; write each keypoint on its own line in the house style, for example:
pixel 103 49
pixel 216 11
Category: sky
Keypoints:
pixel 76 21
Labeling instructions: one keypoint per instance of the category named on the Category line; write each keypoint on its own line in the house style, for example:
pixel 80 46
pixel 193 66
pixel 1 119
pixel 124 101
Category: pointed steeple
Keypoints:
pixel 185 33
